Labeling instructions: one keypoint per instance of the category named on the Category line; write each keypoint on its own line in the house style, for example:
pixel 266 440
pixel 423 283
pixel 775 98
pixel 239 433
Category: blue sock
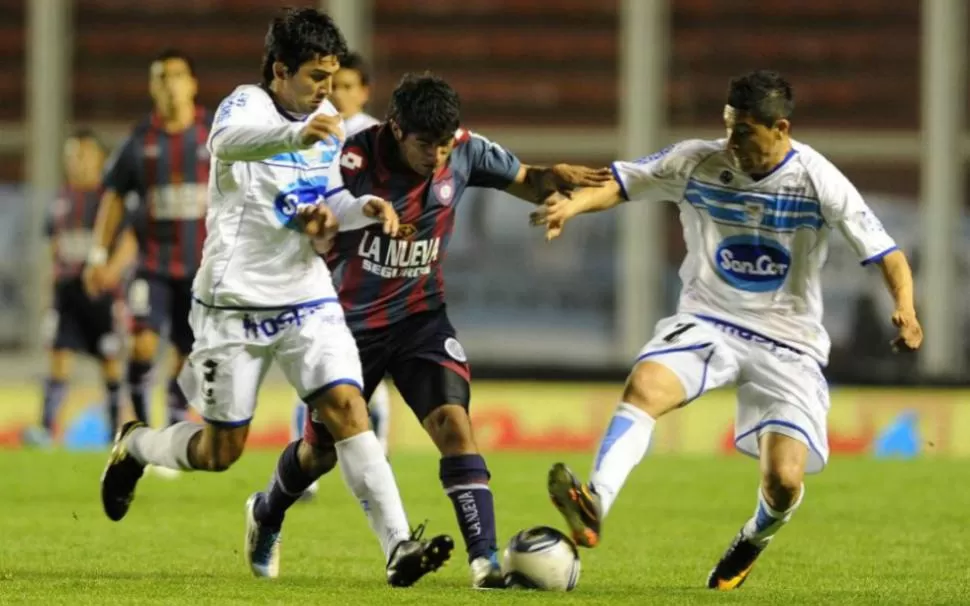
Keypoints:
pixel 112 392
pixel 54 392
pixel 177 405
pixel 138 388
pixel 285 488
pixel 465 480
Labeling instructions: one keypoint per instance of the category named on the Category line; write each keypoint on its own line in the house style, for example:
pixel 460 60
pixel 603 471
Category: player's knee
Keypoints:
pixel 342 411
pixel 144 345
pixel 782 484
pixel 654 389
pixel 451 430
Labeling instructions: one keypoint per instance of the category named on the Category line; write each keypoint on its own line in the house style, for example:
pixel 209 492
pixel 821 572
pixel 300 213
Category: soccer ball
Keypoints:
pixel 541 558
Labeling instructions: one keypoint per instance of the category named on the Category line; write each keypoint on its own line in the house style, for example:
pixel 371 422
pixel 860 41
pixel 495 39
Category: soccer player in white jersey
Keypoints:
pixel 262 293
pixel 757 210
pixel 351 91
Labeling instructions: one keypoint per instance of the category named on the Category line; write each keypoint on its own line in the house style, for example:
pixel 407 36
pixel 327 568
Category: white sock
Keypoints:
pixel 167 447
pixel 380 410
pixel 299 418
pixel 622 448
pixel 370 479
pixel 767 521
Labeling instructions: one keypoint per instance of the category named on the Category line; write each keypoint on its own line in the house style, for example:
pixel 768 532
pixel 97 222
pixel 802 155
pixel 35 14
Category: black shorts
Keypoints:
pixel 156 302
pixel 83 324
pixel 423 357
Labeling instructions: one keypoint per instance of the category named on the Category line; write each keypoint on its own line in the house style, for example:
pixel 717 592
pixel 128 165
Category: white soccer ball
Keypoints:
pixel 541 558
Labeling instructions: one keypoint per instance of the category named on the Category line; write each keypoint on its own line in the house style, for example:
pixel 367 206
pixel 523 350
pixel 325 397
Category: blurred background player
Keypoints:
pixel 77 322
pixel 351 91
pixel 758 210
pixel 157 182
pixel 392 289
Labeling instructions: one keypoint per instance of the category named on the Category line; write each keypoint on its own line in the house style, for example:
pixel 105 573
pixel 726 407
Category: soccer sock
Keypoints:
pixel 767 521
pixel 370 479
pixel 177 405
pixel 112 392
pixel 465 480
pixel 299 419
pixel 379 408
pixel 54 392
pixel 285 488
pixel 623 446
pixel 138 389
pixel 167 447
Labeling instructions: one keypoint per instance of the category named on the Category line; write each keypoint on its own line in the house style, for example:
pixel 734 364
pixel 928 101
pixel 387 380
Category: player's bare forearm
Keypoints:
pixel 528 184
pixel 595 199
pixel 899 279
pixel 536 183
pixel 111 210
pixel 125 253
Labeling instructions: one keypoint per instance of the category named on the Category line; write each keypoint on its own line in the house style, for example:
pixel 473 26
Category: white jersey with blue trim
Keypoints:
pixel 255 254
pixel 755 248
pixel 358 122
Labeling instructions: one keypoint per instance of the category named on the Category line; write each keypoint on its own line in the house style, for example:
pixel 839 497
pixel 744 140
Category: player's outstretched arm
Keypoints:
pixel 899 280
pixel 536 183
pixel 558 209
pixel 253 142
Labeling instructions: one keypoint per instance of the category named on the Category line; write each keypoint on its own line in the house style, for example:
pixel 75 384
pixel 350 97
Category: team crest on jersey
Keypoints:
pixel 444 190
pixel 407 231
pixel 352 159
pixel 754 212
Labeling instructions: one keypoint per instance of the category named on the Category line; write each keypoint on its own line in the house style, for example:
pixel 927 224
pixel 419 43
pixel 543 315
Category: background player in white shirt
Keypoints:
pixel 757 210
pixel 262 293
pixel 351 91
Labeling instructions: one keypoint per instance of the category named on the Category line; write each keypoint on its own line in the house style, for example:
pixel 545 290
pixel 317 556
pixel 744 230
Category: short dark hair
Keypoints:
pixel 355 62
pixel 425 104
pixel 86 132
pixel 174 53
pixel 297 36
pixel 762 94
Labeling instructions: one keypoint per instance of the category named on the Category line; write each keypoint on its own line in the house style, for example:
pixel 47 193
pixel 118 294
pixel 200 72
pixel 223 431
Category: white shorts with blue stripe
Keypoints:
pixel 235 347
pixel 780 389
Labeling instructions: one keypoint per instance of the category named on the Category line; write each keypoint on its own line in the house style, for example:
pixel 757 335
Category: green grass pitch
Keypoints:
pixel 869 533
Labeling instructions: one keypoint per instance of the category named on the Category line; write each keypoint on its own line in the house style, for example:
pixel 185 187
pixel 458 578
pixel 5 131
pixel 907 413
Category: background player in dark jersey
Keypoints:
pixel 164 167
pixel 78 323
pixel 392 288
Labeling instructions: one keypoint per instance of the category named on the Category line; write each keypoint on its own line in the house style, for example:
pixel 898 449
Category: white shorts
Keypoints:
pixel 780 389
pixel 233 350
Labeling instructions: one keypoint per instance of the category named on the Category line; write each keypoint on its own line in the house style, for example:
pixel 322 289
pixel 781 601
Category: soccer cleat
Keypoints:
pixel 487 573
pixel 577 503
pixel 735 566
pixel 121 475
pixel 262 546
pixel 413 558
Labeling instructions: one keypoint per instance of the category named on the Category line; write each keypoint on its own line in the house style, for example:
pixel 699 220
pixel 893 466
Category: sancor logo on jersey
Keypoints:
pixel 752 263
pixel 297 194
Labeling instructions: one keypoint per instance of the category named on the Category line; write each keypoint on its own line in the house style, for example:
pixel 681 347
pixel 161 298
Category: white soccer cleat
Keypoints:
pixel 262 547
pixel 487 573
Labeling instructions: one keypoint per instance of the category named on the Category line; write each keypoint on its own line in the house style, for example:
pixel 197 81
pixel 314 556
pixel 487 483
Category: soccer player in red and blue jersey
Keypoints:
pixel 77 322
pixel 392 289
pixel 157 183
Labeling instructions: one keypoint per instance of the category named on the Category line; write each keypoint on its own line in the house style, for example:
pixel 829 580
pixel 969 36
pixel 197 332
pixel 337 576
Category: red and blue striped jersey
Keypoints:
pixel 163 178
pixel 382 280
pixel 70 227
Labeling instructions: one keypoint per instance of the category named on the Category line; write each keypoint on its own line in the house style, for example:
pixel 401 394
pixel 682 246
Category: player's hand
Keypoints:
pixel 554 212
pixel 93 280
pixel 568 176
pixel 383 211
pixel 320 224
pixel 320 127
pixel 910 332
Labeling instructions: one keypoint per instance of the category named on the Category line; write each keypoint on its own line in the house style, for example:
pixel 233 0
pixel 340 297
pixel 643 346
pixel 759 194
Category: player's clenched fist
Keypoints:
pixel 383 211
pixel 910 332
pixel 320 224
pixel 554 212
pixel 320 127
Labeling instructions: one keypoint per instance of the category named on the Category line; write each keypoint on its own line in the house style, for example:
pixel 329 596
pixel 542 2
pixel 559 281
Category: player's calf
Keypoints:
pixel 464 476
